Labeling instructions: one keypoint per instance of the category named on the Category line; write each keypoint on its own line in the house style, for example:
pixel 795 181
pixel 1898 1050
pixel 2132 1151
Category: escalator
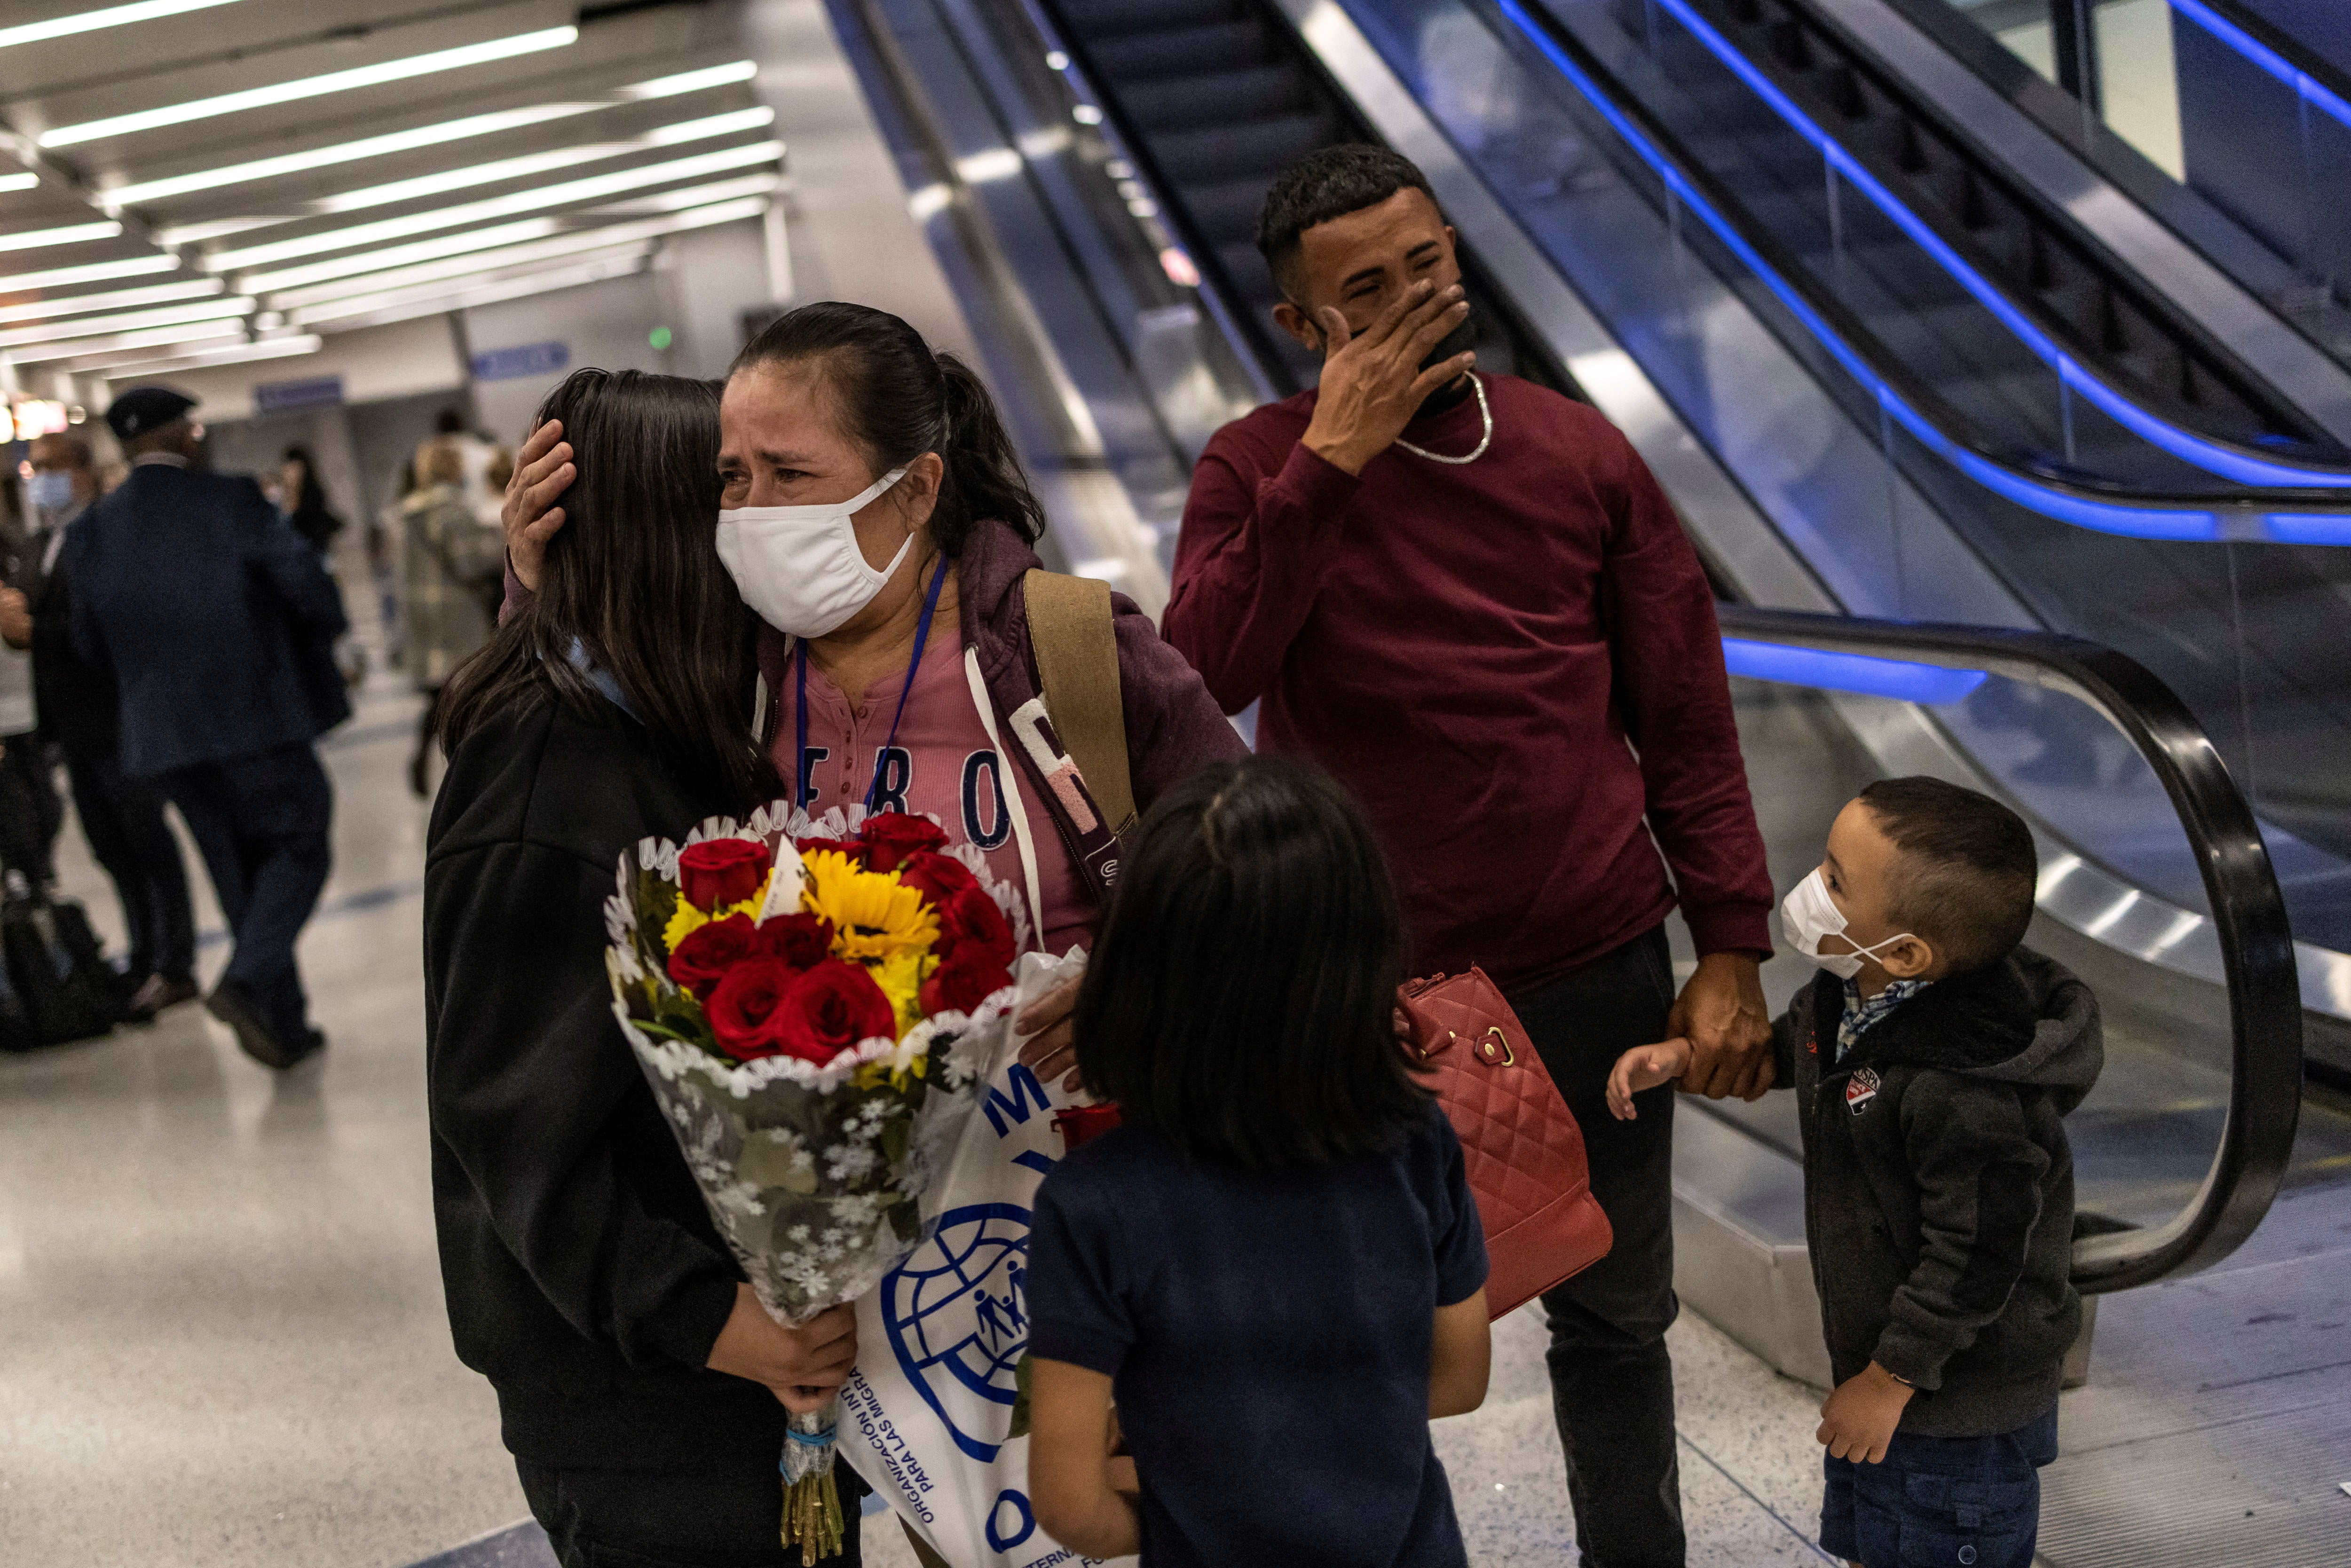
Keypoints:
pixel 1853 501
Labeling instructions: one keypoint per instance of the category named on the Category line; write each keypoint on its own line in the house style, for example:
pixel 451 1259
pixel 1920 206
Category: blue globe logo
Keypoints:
pixel 957 1314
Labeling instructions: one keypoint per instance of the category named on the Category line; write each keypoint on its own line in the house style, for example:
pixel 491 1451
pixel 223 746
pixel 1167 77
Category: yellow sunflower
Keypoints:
pixel 877 917
pixel 901 978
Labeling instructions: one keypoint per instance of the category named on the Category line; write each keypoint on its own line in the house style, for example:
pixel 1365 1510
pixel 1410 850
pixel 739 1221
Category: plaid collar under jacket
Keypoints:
pixel 1860 1014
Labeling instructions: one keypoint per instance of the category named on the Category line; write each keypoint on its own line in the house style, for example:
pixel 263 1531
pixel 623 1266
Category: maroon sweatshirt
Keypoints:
pixel 1511 662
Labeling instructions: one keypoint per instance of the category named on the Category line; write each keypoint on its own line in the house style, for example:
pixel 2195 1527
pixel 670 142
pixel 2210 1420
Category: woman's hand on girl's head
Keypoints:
pixel 542 471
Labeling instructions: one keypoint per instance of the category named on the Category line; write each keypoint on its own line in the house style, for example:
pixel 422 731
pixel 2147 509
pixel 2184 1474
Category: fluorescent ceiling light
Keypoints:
pixel 70 233
pixel 559 195
pixel 234 353
pixel 312 86
pixel 113 299
pixel 468 129
pixel 24 182
pixel 100 326
pixel 44 351
pixel 361 273
pixel 536 163
pixel 359 301
pixel 59 276
pixel 219 228
pixel 347 318
pixel 694 195
pixel 400 254
pixel 91 21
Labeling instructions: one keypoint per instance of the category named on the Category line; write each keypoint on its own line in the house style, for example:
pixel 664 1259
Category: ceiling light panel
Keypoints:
pixel 558 195
pixel 694 196
pixel 41 352
pixel 69 234
pixel 398 255
pixel 360 302
pixel 112 300
pixel 349 317
pixel 362 273
pixel 101 326
pixel 24 182
pixel 541 162
pixel 351 81
pixel 116 368
pixel 92 272
pixel 468 129
pixel 106 16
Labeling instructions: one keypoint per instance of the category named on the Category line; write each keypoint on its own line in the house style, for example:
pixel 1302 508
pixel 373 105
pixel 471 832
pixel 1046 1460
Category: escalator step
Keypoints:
pixel 1224 211
pixel 1105 18
pixel 1174 52
pixel 1225 152
pixel 1216 98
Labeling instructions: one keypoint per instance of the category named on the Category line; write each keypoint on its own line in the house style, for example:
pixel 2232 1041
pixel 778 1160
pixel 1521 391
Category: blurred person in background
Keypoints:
pixel 30 812
pixel 304 500
pixel 121 817
pixel 217 621
pixel 454 577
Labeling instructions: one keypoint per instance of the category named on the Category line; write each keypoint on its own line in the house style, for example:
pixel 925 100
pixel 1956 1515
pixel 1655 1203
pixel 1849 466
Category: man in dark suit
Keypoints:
pixel 121 817
pixel 216 622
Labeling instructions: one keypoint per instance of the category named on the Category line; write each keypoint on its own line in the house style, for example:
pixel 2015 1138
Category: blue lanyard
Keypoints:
pixel 800 707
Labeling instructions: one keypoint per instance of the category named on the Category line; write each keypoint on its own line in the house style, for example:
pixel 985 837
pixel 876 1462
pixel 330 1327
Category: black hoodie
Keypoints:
pixel 1938 1185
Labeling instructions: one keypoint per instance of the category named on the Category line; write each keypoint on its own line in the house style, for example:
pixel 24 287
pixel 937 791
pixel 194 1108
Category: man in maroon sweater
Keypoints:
pixel 1467 597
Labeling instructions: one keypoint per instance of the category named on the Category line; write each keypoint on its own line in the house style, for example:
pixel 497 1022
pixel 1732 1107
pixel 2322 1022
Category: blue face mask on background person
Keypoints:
pixel 50 489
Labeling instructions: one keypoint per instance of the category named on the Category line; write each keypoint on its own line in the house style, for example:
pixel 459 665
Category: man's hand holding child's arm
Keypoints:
pixel 1644 1067
pixel 1859 1420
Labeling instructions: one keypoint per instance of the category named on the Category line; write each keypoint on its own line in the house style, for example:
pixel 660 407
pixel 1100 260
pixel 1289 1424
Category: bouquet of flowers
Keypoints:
pixel 817 1005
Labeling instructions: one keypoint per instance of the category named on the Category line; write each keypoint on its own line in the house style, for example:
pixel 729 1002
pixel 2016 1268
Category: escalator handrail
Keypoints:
pixel 2301 517
pixel 2228 459
pixel 2248 910
pixel 2260 42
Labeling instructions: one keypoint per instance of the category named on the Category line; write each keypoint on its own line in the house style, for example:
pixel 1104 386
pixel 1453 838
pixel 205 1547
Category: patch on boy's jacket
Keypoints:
pixel 1860 1090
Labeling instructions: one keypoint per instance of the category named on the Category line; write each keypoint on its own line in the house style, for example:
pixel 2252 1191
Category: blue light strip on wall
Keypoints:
pixel 1824 671
pixel 2177 523
pixel 2212 456
pixel 2315 93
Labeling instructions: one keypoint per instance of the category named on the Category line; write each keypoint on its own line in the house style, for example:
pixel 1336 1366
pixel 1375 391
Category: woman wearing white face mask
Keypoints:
pixel 876 519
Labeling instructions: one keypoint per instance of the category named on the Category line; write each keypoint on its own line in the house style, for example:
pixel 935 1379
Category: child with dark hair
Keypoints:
pixel 1932 1058
pixel 1274 1264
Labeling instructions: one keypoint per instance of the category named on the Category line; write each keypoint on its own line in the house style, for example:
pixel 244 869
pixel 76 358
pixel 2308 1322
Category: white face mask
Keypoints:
pixel 800 567
pixel 1809 913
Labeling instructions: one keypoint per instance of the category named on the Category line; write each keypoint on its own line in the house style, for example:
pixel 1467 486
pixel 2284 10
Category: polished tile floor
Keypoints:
pixel 221 1331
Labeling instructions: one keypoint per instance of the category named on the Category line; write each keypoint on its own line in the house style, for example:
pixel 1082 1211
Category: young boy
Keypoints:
pixel 1932 1058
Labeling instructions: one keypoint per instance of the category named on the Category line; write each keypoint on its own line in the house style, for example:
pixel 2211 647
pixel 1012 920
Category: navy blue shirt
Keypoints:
pixel 1267 1335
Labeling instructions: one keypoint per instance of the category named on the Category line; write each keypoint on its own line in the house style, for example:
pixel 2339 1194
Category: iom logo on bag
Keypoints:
pixel 957 1314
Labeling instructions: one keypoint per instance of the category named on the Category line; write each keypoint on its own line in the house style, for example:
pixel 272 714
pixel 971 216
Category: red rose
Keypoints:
pixel 853 848
pixel 964 980
pixel 970 918
pixel 831 1008
pixel 745 1007
pixel 938 877
pixel 703 959
pixel 803 941
pixel 891 836
pixel 720 871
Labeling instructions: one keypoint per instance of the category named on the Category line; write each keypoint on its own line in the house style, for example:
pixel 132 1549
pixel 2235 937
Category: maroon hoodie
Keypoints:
pixel 1512 662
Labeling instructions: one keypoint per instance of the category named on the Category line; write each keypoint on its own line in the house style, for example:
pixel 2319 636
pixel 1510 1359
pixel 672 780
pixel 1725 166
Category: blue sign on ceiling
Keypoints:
pixel 523 360
pixel 282 397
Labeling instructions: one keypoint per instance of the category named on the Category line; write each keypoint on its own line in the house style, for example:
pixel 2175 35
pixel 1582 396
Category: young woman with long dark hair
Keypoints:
pixel 642 1388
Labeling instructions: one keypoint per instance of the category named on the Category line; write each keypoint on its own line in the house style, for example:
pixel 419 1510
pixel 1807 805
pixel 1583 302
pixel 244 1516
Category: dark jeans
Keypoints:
pixel 123 821
pixel 1612 1380
pixel 722 1515
pixel 1963 1501
pixel 261 825
pixel 30 812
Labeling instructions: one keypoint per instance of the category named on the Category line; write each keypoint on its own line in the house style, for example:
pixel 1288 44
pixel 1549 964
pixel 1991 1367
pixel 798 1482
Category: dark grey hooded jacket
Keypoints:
pixel 1938 1185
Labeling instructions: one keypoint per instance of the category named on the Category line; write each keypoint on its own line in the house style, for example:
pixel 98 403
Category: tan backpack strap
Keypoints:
pixel 1076 649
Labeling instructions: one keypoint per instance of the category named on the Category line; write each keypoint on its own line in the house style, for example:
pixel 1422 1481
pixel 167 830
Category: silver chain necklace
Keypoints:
pixel 1483 412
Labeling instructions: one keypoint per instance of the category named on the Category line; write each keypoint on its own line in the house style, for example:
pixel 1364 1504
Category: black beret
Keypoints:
pixel 143 409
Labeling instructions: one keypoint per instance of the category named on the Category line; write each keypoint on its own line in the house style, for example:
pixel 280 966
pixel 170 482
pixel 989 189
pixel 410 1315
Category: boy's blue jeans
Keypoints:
pixel 1940 1502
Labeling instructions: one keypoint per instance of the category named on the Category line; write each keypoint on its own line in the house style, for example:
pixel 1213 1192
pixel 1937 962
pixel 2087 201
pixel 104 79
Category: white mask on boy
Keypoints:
pixel 800 567
pixel 1809 913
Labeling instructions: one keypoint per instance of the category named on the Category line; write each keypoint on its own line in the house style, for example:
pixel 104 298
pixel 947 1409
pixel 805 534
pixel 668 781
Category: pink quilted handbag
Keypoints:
pixel 1520 1143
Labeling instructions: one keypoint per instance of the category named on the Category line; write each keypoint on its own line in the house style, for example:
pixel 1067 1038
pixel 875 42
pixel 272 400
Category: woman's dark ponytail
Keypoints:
pixel 899 400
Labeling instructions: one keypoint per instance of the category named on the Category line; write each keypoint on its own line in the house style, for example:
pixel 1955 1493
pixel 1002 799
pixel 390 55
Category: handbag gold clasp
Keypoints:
pixel 1497 1042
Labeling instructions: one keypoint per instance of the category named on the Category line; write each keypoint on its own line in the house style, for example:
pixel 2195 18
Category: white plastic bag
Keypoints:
pixel 926 1417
